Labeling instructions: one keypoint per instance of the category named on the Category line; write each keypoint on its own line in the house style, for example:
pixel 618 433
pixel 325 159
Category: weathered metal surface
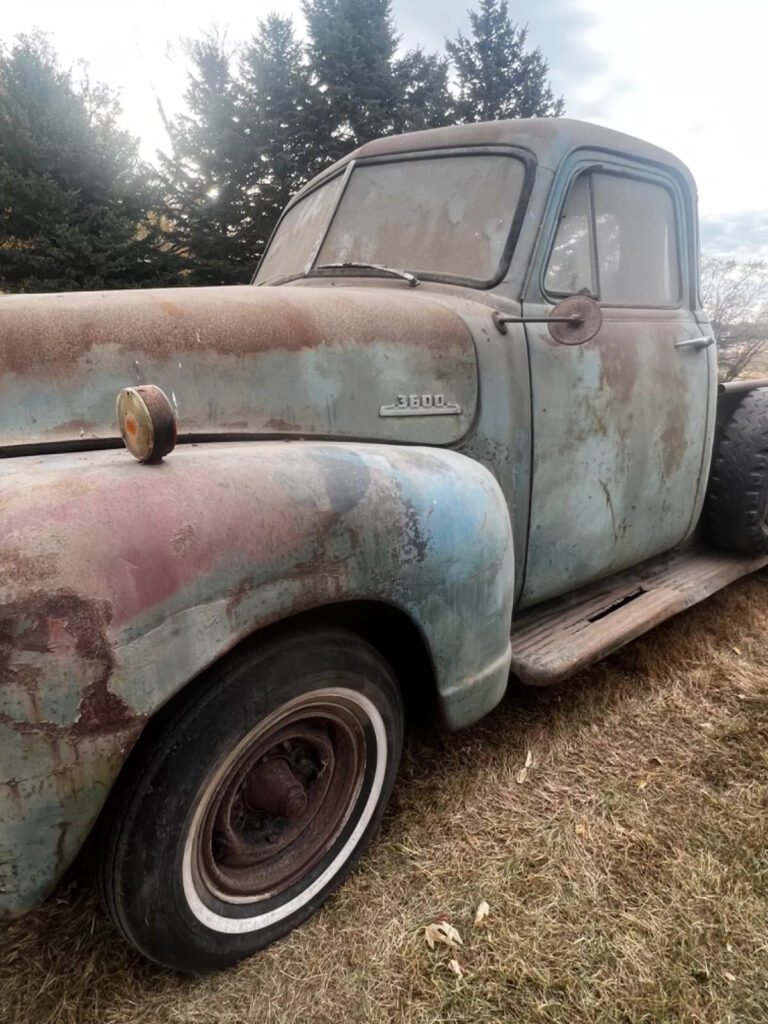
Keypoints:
pixel 621 427
pixel 121 581
pixel 623 424
pixel 561 637
pixel 234 361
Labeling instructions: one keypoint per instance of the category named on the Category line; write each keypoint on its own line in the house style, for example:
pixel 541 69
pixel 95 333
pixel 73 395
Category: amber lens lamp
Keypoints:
pixel 147 422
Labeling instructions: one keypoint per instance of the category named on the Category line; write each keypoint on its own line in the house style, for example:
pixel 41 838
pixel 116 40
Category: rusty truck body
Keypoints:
pixel 398 474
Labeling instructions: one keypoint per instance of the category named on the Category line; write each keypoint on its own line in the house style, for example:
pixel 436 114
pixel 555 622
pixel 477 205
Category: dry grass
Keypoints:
pixel 627 875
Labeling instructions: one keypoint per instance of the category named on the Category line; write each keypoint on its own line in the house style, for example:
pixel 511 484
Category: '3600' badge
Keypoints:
pixel 420 405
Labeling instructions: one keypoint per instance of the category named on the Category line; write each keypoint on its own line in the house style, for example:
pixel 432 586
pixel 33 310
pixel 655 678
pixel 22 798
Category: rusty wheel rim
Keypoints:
pixel 280 800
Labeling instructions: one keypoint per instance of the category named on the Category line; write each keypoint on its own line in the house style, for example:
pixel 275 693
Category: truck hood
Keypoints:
pixel 369 363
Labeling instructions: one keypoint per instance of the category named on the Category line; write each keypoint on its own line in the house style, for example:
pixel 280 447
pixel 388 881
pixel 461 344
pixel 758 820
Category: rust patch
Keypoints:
pixel 238 594
pixel 170 309
pixel 183 541
pixel 281 426
pixel 618 362
pixel 39 333
pixel 73 427
pixel 26 569
pixel 61 857
pixel 63 624
pixel 673 438
pixel 415 541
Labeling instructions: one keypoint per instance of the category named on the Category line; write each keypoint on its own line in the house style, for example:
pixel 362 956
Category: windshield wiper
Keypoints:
pixel 405 275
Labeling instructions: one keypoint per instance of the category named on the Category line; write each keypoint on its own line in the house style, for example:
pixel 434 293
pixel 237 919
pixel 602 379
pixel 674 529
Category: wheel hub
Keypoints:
pixel 273 787
pixel 280 806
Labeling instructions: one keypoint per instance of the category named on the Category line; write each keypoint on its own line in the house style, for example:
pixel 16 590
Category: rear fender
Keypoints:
pixel 121 582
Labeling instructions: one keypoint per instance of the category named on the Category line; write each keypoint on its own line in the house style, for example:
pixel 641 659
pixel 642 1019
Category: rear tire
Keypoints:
pixel 737 499
pixel 250 799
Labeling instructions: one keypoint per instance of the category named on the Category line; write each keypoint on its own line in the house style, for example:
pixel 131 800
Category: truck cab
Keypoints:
pixel 517 216
pixel 465 420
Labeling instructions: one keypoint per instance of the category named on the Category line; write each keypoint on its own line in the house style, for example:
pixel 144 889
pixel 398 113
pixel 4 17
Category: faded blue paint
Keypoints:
pixel 177 563
pixel 236 361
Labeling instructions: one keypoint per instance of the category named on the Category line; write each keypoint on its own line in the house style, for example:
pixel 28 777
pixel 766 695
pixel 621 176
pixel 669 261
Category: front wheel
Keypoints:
pixel 251 798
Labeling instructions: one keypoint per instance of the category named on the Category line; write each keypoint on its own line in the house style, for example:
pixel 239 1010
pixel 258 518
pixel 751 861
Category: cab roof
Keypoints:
pixel 550 139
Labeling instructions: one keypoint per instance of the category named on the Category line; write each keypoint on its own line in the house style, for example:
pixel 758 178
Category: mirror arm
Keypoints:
pixel 500 322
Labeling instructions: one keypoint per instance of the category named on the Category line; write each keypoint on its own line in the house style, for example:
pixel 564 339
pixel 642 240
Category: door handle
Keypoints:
pixel 702 342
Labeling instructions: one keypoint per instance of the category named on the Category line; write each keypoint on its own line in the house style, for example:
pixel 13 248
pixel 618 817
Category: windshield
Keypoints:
pixel 446 216
pixel 299 233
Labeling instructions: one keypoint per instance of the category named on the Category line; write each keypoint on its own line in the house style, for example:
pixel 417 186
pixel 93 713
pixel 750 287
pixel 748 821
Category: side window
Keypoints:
pixel 571 263
pixel 636 242
pixel 617 240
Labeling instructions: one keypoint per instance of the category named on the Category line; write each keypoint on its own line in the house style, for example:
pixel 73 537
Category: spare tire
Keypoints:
pixel 737 497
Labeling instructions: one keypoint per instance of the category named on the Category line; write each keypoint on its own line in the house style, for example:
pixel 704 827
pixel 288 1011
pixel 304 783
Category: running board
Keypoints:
pixel 552 641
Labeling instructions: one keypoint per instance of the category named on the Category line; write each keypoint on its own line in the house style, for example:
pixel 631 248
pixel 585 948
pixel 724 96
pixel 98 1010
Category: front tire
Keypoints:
pixel 251 798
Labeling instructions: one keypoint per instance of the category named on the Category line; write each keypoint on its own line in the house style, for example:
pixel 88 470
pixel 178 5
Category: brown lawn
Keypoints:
pixel 626 875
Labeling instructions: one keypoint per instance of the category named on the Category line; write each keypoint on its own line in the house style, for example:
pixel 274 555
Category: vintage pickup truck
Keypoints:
pixel 466 420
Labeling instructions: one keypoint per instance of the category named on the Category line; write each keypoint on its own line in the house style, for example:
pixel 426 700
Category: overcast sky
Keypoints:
pixel 688 76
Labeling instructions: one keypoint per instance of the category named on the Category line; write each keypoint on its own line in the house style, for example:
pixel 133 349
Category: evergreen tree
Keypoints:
pixel 424 98
pixel 281 116
pixel 76 203
pixel 205 178
pixel 368 90
pixel 497 77
pixel 352 45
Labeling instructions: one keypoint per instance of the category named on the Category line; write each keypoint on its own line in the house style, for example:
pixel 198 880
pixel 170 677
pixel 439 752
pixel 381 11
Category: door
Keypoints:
pixel 620 423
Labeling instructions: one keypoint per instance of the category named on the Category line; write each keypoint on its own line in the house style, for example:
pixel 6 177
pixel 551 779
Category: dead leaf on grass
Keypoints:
pixel 523 772
pixel 456 967
pixel 444 932
pixel 481 914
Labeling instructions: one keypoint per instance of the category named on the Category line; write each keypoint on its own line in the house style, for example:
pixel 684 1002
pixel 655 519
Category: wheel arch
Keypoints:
pixel 388 629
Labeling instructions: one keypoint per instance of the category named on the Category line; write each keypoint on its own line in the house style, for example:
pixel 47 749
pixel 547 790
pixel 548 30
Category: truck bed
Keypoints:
pixel 563 636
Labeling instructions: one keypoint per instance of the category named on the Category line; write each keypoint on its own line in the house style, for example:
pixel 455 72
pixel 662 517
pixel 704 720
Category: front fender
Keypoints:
pixel 121 582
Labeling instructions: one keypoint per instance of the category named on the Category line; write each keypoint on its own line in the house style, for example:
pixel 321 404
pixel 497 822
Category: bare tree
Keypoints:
pixel 735 295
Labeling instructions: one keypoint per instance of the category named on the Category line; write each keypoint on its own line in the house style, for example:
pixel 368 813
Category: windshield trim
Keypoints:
pixel 310 271
pixel 331 217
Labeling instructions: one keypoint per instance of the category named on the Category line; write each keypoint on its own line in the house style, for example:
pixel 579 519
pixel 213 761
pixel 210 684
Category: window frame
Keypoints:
pixel 518 153
pixel 649 176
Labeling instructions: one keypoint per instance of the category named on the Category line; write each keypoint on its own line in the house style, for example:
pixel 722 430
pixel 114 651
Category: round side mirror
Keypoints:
pixel 575 320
